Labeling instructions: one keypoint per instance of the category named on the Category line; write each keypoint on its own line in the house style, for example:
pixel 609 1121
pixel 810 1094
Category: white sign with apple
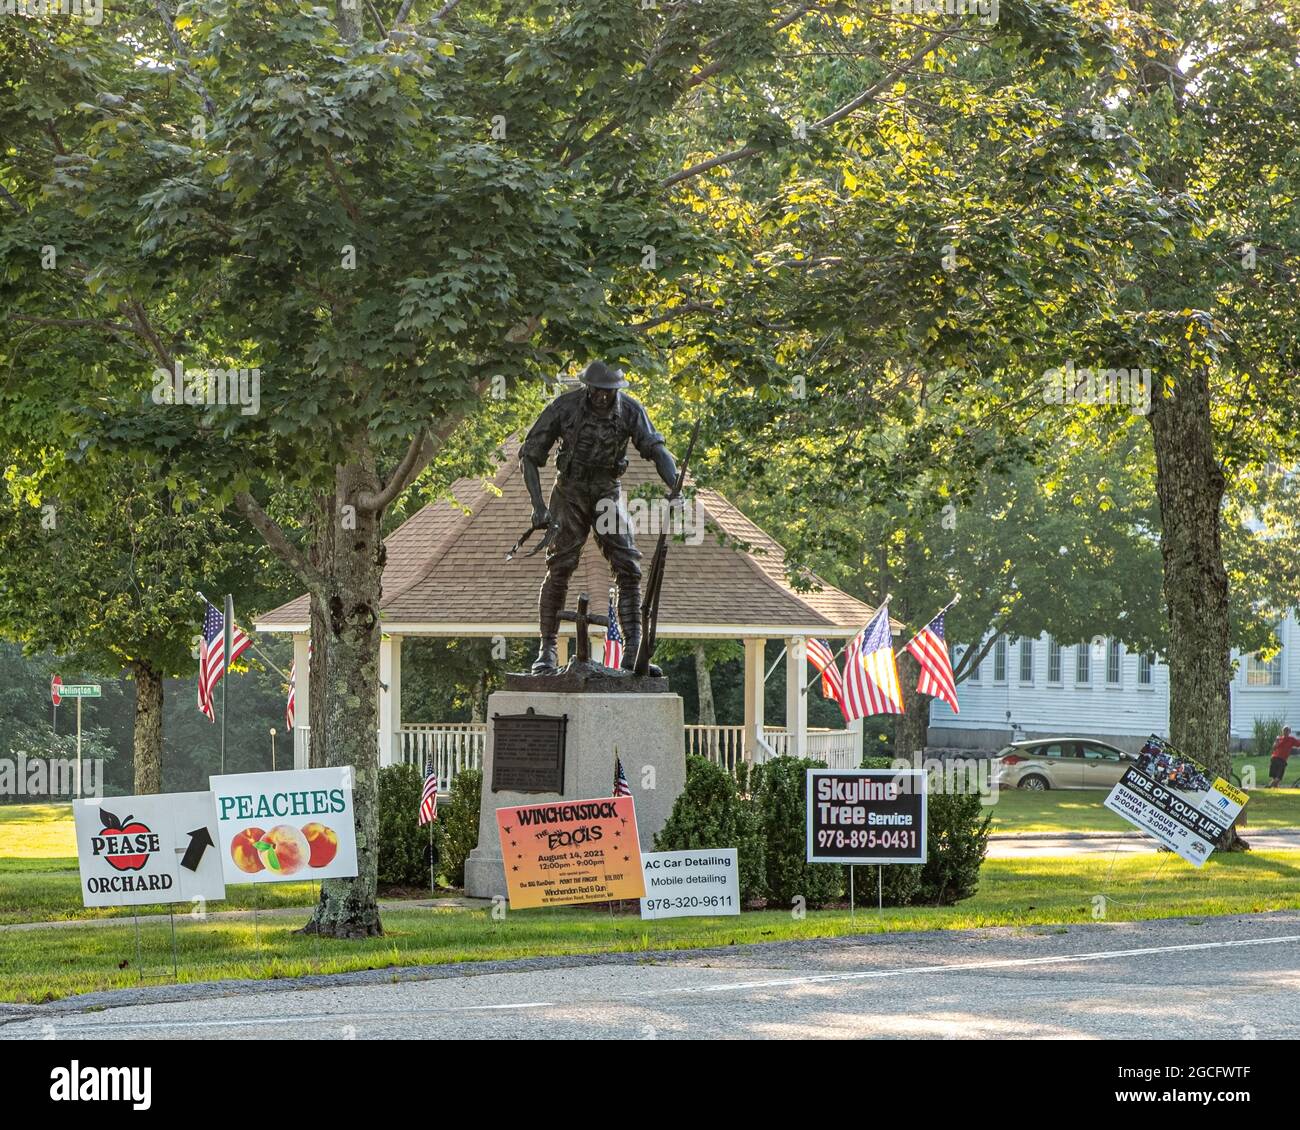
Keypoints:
pixel 133 850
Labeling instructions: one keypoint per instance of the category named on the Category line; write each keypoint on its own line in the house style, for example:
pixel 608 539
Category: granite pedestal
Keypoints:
pixel 647 731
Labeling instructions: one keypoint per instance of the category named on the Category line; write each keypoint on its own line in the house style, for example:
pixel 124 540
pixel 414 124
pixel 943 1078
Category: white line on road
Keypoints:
pixel 737 986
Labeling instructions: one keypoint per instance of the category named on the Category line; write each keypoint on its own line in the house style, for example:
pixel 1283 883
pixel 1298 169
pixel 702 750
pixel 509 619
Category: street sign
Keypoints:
pixel 80 690
pixel 55 684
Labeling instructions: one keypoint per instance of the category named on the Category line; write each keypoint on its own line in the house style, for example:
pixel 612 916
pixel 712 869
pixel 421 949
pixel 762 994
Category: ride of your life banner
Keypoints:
pixel 570 852
pixel 1177 800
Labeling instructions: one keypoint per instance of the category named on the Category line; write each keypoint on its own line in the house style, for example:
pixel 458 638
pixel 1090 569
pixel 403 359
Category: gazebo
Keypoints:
pixel 446 575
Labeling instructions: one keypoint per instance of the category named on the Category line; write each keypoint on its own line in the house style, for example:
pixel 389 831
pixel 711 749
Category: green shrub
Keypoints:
pixel 1266 731
pixel 780 795
pixel 957 836
pixel 403 843
pixel 459 820
pixel 712 813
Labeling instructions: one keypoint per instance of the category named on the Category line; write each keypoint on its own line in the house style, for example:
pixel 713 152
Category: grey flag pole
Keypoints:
pixel 228 645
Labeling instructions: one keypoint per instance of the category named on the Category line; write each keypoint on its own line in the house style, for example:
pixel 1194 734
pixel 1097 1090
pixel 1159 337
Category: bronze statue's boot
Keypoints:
pixel 549 605
pixel 629 624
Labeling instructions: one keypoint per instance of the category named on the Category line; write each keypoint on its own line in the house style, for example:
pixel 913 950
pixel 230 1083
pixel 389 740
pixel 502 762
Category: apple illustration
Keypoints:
pixel 324 843
pixel 113 826
pixel 284 850
pixel 243 850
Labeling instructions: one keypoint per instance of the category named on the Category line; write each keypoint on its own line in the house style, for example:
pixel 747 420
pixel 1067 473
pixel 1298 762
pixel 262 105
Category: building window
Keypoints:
pixel 1146 663
pixel 1000 660
pixel 974 675
pixel 1082 665
pixel 1053 661
pixel 1112 663
pixel 1026 660
pixel 1264 674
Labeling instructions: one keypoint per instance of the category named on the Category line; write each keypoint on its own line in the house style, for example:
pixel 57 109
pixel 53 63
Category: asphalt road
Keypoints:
pixel 1233 978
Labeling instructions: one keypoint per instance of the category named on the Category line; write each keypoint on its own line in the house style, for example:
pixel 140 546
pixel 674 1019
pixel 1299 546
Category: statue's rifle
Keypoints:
pixel 655 580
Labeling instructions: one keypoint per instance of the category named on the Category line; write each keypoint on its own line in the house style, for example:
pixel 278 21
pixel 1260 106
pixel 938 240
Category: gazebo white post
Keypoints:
pixel 754 672
pixel 796 701
pixel 390 700
pixel 855 727
pixel 301 698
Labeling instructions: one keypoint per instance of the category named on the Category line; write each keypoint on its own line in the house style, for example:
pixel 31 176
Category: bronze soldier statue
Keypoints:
pixel 593 425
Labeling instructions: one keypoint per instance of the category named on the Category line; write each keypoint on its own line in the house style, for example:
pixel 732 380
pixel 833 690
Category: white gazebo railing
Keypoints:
pixel 454 746
pixel 723 745
pixel 726 746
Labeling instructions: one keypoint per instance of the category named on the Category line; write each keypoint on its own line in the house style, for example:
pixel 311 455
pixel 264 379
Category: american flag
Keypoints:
pixel 930 650
pixel 429 798
pixel 621 787
pixel 290 706
pixel 613 638
pixel 870 673
pixel 211 667
pixel 823 659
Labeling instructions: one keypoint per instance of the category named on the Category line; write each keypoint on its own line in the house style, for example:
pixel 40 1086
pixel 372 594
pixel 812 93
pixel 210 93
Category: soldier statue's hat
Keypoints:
pixel 600 375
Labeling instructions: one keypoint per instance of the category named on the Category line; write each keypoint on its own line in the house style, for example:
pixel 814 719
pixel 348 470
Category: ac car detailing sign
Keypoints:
pixel 1178 801
pixel 866 815
pixel 133 850
pixel 691 884
pixel 571 852
pixel 294 825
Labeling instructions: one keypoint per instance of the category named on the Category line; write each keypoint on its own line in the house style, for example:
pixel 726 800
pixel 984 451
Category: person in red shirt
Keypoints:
pixel 1281 751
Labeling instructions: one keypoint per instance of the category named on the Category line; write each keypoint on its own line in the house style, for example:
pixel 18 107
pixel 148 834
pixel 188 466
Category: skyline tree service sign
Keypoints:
pixel 866 815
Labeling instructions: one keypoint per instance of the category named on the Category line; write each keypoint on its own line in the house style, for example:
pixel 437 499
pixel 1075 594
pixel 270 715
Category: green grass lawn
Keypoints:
pixel 38 883
pixel 44 964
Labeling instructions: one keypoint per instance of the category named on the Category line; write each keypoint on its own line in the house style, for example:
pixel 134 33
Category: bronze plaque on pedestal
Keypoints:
pixel 528 752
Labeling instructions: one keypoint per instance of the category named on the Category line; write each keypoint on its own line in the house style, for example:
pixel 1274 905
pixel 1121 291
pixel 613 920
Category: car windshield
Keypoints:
pixel 1006 749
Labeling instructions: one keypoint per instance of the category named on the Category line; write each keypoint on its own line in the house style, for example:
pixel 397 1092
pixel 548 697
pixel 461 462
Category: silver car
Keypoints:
pixel 1060 763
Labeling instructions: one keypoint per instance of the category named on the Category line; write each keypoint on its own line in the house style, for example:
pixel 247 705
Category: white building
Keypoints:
pixel 1041 687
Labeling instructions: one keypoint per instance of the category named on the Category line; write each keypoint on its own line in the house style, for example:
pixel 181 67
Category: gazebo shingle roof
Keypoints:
pixel 447 573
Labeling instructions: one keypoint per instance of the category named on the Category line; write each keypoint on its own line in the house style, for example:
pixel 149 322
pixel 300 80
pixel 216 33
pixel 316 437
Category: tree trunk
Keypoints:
pixel 348 908
pixel 148 732
pixel 1190 486
pixel 320 554
pixel 479 695
pixel 704 687
pixel 912 727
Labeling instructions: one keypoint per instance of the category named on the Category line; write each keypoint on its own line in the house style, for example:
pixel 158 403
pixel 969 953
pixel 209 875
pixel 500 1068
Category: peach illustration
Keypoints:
pixel 324 844
pixel 243 851
pixel 284 850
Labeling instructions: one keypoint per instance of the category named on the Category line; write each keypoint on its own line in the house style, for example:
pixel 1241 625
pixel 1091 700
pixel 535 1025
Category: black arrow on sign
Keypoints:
pixel 200 841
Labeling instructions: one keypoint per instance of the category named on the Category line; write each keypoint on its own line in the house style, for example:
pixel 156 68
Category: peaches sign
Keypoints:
pixel 291 826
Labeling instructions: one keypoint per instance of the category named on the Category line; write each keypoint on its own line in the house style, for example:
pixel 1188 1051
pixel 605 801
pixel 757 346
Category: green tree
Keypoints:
pixel 106 573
